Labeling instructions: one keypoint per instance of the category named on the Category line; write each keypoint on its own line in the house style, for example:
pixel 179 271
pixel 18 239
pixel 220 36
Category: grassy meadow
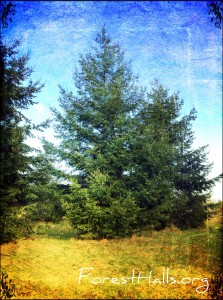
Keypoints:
pixel 170 263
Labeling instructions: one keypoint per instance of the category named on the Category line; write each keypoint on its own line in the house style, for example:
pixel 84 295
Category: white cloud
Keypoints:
pixel 217 192
pixel 40 108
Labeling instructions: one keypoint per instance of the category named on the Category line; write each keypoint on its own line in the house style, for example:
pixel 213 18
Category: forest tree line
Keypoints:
pixel 132 164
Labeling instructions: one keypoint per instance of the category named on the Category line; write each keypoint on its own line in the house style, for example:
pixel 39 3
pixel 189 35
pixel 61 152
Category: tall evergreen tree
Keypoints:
pixel 17 92
pixel 169 176
pixel 95 126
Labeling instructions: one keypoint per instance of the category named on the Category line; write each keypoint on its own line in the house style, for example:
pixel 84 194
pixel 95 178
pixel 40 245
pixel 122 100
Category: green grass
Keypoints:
pixel 48 264
pixel 62 230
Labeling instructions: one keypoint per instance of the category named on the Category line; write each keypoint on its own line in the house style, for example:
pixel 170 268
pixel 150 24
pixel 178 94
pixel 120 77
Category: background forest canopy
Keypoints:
pixel 132 165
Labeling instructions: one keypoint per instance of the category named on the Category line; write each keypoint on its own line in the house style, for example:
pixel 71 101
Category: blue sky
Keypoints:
pixel 173 41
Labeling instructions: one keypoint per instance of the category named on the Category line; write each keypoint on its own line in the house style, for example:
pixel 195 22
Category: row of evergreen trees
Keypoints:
pixel 132 150
pixel 129 151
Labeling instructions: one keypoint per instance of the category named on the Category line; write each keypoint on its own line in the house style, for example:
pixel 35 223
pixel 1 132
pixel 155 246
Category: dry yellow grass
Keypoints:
pixel 49 268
